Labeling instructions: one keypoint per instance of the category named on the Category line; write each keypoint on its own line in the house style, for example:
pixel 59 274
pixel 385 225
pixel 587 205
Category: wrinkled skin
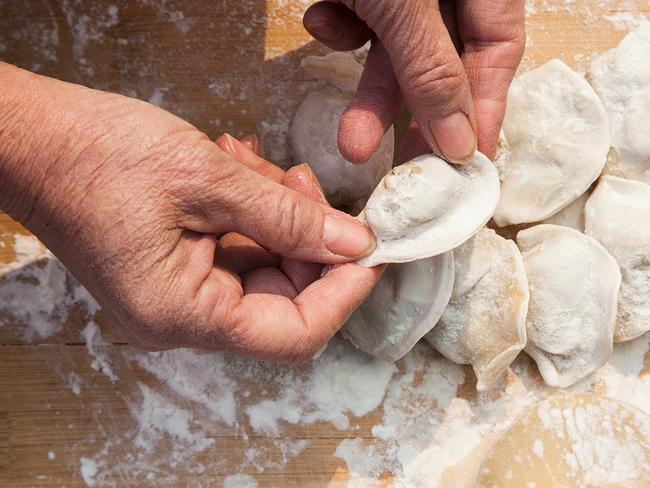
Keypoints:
pixel 184 242
pixel 188 243
pixel 451 61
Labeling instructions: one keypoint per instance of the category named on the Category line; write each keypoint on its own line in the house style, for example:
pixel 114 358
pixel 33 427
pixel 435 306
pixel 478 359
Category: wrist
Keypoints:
pixel 45 126
pixel 14 84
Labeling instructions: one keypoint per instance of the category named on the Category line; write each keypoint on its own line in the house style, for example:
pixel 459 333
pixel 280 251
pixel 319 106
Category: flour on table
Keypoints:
pixel 37 293
pixel 94 343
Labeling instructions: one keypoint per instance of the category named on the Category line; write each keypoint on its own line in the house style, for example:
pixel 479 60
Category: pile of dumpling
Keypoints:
pixel 571 182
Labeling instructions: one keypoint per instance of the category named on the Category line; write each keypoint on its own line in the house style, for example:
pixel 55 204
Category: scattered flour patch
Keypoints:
pixel 75 381
pixel 94 343
pixel 89 468
pixel 239 481
pixel 626 21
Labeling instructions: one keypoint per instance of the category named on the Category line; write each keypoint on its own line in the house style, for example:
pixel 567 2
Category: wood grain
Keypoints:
pixel 225 66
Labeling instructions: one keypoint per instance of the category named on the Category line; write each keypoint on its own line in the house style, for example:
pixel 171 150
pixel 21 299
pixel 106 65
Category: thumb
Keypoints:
pixel 286 222
pixel 429 71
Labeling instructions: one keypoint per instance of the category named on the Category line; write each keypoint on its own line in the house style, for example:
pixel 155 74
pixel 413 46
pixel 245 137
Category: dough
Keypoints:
pixel 618 216
pixel 485 322
pixel 621 77
pixel 314 133
pixel 405 304
pixel 574 285
pixel 554 143
pixel 572 441
pixel 427 207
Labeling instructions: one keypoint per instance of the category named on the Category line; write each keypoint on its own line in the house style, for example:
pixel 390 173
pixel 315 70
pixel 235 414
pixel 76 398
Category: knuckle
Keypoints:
pixel 443 77
pixel 296 221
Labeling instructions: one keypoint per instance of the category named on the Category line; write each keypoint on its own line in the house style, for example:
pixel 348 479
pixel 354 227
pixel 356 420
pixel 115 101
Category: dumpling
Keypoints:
pixel 336 68
pixel 314 132
pixel 618 216
pixel 621 77
pixel 427 207
pixel 571 440
pixel 574 285
pixel 573 215
pixel 405 304
pixel 485 322
pixel 554 143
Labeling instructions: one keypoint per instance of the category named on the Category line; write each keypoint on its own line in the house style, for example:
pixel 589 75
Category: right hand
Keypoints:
pixel 457 100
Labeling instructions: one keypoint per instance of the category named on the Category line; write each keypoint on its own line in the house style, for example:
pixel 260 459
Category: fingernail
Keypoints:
pixel 454 137
pixel 314 181
pixel 323 30
pixel 251 142
pixel 347 237
pixel 230 144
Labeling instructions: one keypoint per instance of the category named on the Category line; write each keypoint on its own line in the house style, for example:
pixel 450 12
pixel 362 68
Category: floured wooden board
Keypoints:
pixel 573 441
pixel 78 406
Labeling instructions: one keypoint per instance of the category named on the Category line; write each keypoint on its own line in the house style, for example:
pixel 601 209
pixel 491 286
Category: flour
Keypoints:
pixel 239 481
pixel 89 469
pixel 626 21
pixel 37 293
pixel 94 342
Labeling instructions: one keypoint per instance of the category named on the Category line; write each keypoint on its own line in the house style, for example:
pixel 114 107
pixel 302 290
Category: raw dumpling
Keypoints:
pixel 405 304
pixel 621 77
pixel 554 143
pixel 485 322
pixel 427 207
pixel 618 216
pixel 336 68
pixel 573 215
pixel 314 132
pixel 579 440
pixel 574 285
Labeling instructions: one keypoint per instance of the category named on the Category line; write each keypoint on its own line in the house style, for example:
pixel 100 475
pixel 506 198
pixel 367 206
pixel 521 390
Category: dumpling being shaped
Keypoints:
pixel 618 216
pixel 574 285
pixel 404 305
pixel 554 143
pixel 485 322
pixel 427 207
pixel 314 135
pixel 621 77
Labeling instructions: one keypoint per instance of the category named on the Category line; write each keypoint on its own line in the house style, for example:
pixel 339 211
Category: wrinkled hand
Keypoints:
pixel 133 200
pixel 457 100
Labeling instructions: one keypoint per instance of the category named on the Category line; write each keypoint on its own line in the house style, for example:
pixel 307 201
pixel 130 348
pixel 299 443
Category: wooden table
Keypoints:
pixel 226 65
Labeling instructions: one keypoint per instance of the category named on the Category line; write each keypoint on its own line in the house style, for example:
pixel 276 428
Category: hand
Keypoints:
pixel 132 200
pixel 453 98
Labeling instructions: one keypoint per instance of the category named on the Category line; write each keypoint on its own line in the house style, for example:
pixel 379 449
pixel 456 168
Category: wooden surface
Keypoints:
pixel 225 65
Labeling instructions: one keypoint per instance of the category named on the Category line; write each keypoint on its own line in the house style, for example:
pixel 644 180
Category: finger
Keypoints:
pixel 414 144
pixel 430 72
pixel 336 26
pixel 232 198
pixel 240 254
pixel 253 143
pixel 246 156
pixel 302 179
pixel 373 109
pixel 275 328
pixel 493 35
pixel 268 280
